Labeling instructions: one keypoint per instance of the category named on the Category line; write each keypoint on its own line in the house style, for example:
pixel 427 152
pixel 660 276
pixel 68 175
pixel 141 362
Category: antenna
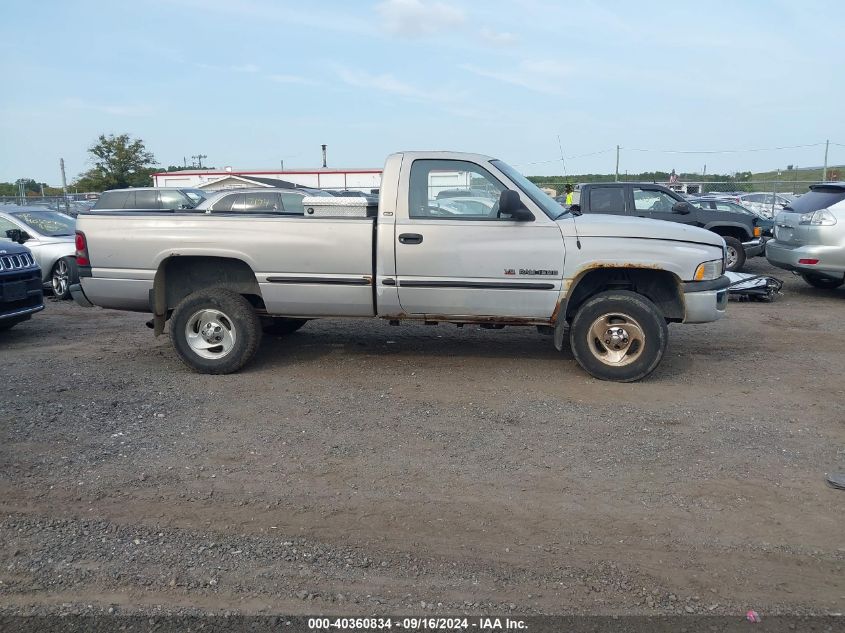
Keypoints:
pixel 562 161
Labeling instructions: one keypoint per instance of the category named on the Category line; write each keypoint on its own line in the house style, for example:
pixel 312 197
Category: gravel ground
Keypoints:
pixel 357 467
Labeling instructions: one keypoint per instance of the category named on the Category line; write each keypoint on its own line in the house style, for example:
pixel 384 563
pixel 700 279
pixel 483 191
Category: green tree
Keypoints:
pixel 119 161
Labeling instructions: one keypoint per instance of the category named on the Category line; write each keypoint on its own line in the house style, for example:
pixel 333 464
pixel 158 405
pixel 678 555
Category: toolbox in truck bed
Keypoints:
pixel 340 207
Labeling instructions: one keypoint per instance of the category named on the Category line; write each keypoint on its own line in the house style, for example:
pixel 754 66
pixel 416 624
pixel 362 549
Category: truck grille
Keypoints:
pixel 16 262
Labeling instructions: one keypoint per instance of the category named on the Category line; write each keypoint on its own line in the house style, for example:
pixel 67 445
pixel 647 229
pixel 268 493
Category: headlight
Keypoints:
pixel 822 217
pixel 709 270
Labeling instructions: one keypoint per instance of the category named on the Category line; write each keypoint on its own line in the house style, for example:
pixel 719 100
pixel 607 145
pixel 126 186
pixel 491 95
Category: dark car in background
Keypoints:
pixel 767 225
pixel 740 231
pixel 150 199
pixel 21 294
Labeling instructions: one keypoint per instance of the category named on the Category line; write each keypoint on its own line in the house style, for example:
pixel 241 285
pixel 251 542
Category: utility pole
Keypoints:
pixel 824 171
pixel 64 178
pixel 324 155
pixel 282 164
pixel 617 163
pixel 198 158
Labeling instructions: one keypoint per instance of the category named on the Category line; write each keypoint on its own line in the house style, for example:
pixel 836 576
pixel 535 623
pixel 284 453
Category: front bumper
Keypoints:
pixel 705 301
pixel 788 256
pixel 755 247
pixel 79 296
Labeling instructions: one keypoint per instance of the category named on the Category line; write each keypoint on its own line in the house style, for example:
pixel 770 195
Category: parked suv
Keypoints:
pixel 150 199
pixel 741 232
pixel 810 236
pixel 21 295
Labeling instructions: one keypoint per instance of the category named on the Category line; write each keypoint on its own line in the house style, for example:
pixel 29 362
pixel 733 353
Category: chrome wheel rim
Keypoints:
pixel 616 339
pixel 733 256
pixel 210 334
pixel 61 277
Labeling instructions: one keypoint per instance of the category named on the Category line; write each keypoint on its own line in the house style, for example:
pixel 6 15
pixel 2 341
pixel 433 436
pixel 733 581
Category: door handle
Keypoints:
pixel 410 238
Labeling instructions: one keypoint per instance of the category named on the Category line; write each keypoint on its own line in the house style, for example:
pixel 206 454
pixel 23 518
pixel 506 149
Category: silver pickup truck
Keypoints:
pixel 514 257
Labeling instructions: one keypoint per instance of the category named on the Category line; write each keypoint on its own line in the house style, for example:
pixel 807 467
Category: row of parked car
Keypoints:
pixel 807 236
pixel 38 241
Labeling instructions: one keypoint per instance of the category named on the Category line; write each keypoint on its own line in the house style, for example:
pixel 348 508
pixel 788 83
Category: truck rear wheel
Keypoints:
pixel 736 254
pixel 618 335
pixel 215 331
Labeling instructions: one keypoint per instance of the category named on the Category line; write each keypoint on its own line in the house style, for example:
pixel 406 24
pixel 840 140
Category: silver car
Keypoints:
pixel 810 236
pixel 767 205
pixel 50 236
pixel 258 200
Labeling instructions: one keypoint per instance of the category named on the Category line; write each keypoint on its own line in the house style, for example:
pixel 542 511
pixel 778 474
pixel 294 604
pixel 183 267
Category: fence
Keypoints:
pixel 701 188
pixel 65 204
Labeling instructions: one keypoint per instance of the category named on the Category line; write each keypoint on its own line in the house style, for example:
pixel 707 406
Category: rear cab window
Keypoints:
pixel 607 200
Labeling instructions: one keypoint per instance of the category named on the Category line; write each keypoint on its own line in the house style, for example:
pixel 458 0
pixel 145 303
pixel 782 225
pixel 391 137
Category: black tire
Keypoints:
pixel 281 326
pixel 626 313
pixel 736 253
pixel 821 282
pixel 65 272
pixel 234 322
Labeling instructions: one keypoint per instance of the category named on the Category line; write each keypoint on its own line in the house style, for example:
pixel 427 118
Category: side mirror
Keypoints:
pixel 682 207
pixel 18 235
pixel 575 209
pixel 510 204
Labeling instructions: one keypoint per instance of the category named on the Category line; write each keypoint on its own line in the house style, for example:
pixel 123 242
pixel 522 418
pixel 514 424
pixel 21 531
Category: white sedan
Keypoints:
pixel 50 236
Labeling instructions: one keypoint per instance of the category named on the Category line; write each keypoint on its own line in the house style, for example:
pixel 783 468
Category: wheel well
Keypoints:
pixel 729 231
pixel 660 286
pixel 177 277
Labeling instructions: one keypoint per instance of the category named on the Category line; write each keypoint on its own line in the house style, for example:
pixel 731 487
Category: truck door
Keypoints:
pixel 456 255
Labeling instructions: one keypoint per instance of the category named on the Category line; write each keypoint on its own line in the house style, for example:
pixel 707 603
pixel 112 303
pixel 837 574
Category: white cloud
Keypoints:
pixel 497 38
pixel 292 79
pixel 417 18
pixel 540 75
pixel 231 68
pixel 384 82
pixel 137 109
pixel 447 100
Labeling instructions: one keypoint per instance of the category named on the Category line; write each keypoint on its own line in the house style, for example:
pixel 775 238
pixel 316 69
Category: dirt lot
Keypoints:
pixel 358 467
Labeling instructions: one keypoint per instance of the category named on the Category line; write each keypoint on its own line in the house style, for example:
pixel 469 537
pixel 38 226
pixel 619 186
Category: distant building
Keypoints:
pixel 322 178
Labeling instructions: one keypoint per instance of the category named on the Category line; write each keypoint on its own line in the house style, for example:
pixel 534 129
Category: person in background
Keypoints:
pixel 568 194
pixel 673 177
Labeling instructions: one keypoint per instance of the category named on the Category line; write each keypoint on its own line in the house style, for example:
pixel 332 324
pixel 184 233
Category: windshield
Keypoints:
pixel 48 222
pixel 537 195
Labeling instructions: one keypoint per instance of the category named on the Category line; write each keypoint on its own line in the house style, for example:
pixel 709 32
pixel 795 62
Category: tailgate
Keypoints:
pixel 788 230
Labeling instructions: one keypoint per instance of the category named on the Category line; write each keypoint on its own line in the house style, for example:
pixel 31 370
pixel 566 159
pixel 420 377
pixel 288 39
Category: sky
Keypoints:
pixel 252 83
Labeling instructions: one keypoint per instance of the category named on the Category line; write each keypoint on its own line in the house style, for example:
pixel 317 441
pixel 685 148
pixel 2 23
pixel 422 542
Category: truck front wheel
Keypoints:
pixel 215 331
pixel 618 335
pixel 736 254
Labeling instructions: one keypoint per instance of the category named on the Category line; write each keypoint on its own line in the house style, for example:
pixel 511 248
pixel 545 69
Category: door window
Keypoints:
pixel 292 203
pixel 146 199
pixel 6 225
pixel 174 200
pixel 462 180
pixel 653 200
pixel 225 203
pixel 259 203
pixel 607 200
pixel 112 200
